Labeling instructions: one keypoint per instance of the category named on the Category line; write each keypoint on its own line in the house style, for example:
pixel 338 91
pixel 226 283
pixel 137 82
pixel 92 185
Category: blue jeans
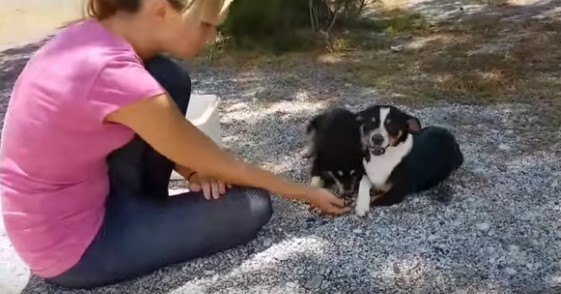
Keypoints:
pixel 144 229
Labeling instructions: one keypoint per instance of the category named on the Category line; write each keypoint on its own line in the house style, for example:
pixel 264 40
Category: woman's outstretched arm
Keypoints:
pixel 158 122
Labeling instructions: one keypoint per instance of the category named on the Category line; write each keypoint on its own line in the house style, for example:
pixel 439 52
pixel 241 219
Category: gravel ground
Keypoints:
pixel 494 227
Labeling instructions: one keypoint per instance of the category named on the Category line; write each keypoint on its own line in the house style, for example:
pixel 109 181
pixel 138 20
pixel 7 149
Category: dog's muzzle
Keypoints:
pixel 377 150
pixel 375 145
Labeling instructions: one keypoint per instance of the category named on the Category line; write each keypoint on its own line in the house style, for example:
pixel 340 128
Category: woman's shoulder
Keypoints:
pixel 83 48
pixel 77 54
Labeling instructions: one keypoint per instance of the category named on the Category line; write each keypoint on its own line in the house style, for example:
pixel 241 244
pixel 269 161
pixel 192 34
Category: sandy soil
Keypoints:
pixel 29 20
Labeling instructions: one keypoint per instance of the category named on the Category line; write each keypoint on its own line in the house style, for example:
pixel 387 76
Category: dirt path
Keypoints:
pixel 29 20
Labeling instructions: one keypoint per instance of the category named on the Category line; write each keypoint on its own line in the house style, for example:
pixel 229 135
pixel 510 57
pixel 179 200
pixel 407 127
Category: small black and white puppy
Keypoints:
pixel 335 149
pixel 401 157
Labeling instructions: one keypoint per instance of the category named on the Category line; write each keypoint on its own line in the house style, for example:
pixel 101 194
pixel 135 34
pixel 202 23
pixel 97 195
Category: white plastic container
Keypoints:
pixel 203 113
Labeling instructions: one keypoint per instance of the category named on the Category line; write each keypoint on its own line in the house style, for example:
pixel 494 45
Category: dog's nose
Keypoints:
pixel 377 139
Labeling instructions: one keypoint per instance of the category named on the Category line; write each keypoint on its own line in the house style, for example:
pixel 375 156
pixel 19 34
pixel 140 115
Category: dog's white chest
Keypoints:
pixel 379 168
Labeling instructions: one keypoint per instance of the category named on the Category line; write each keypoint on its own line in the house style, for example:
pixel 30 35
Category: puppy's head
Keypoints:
pixel 335 148
pixel 384 126
pixel 346 180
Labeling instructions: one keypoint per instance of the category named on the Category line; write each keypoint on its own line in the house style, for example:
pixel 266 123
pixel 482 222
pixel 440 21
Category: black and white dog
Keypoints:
pixel 336 150
pixel 400 157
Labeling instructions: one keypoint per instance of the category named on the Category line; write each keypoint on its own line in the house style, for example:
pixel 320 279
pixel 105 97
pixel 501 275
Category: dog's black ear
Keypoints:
pixel 413 125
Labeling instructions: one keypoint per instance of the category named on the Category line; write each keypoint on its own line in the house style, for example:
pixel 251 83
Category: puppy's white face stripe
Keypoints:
pixel 382 128
pixel 383 115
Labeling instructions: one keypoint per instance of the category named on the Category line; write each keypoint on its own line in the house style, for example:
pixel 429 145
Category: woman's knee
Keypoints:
pixel 260 207
pixel 174 78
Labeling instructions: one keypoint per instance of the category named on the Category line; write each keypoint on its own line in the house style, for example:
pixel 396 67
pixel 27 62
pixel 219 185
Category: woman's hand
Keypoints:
pixel 326 202
pixel 211 188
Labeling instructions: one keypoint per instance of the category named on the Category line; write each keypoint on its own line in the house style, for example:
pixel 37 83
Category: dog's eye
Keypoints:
pixel 388 121
pixel 392 129
pixel 340 173
pixel 352 172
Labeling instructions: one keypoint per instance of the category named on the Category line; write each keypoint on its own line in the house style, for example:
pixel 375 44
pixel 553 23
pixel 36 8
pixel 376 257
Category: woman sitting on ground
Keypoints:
pixel 95 126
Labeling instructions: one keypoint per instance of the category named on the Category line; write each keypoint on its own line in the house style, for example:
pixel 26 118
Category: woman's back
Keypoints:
pixel 55 143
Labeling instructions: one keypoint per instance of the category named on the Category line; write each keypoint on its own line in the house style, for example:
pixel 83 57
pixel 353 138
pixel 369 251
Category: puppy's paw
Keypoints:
pixel 361 210
pixel 316 182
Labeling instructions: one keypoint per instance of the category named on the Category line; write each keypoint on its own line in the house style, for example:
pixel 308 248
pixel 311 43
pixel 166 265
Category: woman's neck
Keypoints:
pixel 133 32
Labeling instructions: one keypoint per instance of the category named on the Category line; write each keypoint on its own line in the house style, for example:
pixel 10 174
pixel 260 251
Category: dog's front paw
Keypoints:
pixel 316 182
pixel 361 210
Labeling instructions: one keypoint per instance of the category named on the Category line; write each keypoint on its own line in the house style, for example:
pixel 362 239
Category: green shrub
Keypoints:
pixel 264 23
pixel 283 25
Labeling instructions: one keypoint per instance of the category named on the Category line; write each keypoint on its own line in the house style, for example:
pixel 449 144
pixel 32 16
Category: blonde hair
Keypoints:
pixel 209 11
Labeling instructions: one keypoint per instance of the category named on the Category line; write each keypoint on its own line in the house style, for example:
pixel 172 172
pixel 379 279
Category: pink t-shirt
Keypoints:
pixel 55 142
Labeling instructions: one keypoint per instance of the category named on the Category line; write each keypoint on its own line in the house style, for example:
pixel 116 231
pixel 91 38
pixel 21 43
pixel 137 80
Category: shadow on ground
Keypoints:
pixel 488 54
pixel 492 85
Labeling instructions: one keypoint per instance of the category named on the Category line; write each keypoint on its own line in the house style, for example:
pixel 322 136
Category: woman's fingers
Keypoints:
pixel 215 189
pixel 206 190
pixel 338 202
pixel 195 187
pixel 339 206
pixel 211 188
pixel 326 202
pixel 339 210
pixel 221 187
pixel 336 210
